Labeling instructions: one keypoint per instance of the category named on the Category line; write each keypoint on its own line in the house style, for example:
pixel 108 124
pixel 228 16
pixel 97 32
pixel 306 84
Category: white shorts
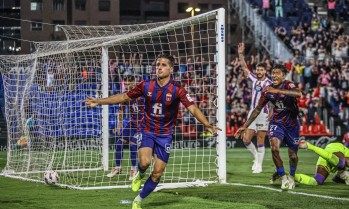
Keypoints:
pixel 261 123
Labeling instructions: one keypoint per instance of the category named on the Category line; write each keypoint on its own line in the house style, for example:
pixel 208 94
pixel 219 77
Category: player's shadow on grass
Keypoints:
pixel 164 203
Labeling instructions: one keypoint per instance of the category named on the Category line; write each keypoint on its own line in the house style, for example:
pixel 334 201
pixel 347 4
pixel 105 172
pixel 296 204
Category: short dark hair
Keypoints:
pixel 169 57
pixel 281 67
pixel 129 78
pixel 263 65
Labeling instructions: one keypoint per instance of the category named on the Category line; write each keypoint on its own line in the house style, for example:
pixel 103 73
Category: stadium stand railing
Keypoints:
pixel 264 36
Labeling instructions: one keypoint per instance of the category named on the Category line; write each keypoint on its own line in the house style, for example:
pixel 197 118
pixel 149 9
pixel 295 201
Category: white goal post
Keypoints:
pixel 50 128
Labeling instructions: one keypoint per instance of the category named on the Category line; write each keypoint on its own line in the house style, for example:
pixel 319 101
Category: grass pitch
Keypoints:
pixel 244 190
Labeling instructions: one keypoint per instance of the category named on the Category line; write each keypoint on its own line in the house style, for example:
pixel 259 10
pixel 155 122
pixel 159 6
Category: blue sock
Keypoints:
pixel 281 171
pixel 293 170
pixel 119 152
pixel 140 169
pixel 133 154
pixel 149 186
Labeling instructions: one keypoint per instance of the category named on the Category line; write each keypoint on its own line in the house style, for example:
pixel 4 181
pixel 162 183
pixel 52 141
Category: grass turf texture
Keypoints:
pixel 22 194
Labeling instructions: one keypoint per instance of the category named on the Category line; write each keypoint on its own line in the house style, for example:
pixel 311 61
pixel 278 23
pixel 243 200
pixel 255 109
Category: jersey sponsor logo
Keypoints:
pixel 157 110
pixel 292 85
pixel 168 97
pixel 279 105
pixel 135 107
pixel 149 94
pixel 189 98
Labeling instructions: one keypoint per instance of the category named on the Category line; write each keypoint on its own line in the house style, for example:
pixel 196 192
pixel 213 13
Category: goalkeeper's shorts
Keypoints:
pixel 332 148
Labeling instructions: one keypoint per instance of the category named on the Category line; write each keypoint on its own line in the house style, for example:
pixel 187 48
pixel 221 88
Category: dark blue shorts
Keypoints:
pixel 289 135
pixel 128 133
pixel 161 144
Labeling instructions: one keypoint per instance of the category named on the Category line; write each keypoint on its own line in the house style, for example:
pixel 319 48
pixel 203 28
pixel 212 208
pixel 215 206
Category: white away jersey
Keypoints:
pixel 257 87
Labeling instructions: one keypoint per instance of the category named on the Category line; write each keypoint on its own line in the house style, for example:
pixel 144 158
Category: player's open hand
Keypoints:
pixel 239 132
pixel 271 90
pixel 213 129
pixel 91 102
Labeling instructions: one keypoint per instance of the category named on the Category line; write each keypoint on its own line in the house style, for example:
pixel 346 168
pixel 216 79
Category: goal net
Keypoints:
pixel 50 127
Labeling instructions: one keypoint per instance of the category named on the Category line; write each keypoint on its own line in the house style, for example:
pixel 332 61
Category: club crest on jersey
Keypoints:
pixel 149 94
pixel 168 97
pixel 258 87
pixel 167 148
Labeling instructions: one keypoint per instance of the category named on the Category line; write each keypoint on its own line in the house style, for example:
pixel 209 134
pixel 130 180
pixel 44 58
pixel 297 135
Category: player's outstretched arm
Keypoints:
pixel 241 49
pixel 288 92
pixel 116 99
pixel 196 112
pixel 253 116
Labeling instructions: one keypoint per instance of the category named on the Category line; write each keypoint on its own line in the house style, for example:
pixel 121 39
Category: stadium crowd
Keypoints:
pixel 320 68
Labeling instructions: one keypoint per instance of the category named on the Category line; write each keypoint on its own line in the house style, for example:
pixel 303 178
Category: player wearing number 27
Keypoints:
pixel 162 98
pixel 284 125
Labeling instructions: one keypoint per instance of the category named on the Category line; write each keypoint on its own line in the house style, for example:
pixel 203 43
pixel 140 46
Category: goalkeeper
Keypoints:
pixel 333 159
pixel 162 98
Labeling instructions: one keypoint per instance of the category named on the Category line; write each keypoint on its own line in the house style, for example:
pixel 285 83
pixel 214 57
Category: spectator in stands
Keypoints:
pixel 126 66
pixel 335 75
pixel 311 114
pixel 298 75
pixel 307 74
pixel 321 51
pixel 182 67
pixel 50 79
pixel 342 3
pixel 137 64
pixel 344 95
pixel 315 24
pixel 265 7
pixel 335 103
pixel 112 69
pixel 346 139
pixel 331 9
pixel 337 50
pixel 281 32
pixel 279 12
pixel 309 52
pixel 302 103
pixel 84 73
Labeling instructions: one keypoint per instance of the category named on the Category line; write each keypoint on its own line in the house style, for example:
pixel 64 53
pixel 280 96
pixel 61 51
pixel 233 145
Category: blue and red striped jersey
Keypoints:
pixel 133 111
pixel 161 105
pixel 285 109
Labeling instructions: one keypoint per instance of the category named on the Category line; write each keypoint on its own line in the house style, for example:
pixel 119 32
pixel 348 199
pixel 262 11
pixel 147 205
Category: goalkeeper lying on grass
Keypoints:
pixel 333 159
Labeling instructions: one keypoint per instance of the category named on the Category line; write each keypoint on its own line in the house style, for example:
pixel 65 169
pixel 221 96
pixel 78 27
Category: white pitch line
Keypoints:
pixel 291 192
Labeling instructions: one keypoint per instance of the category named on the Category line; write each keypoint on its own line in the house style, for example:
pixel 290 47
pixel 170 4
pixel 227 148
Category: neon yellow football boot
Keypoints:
pixel 136 205
pixel 136 182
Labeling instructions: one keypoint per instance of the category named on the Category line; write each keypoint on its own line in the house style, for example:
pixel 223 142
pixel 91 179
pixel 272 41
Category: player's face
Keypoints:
pixel 260 71
pixel 129 85
pixel 163 69
pixel 277 77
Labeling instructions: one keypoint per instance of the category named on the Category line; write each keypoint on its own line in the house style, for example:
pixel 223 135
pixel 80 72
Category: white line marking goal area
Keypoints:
pixel 290 192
